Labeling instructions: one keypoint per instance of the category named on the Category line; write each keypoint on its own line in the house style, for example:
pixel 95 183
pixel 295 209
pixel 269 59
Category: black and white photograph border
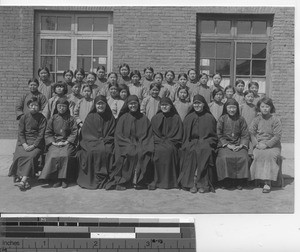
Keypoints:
pixel 260 221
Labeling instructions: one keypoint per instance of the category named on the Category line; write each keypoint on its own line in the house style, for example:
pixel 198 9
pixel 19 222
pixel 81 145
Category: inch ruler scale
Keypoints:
pixel 72 234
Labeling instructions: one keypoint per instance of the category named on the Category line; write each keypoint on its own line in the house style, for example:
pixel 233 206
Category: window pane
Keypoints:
pixel 84 47
pixel 48 46
pixel 243 27
pixel 63 23
pixel 84 62
pixel 100 47
pixel 243 50
pixel 85 24
pixel 223 67
pixel 243 67
pixel 259 67
pixel 100 24
pixel 48 23
pixel 259 27
pixel 63 47
pixel 63 63
pixel 259 50
pixel 207 26
pixel 223 50
pixel 48 62
pixel 207 66
pixel 223 27
pixel 207 50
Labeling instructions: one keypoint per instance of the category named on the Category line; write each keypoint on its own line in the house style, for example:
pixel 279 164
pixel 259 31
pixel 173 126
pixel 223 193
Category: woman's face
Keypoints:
pixel 165 107
pixel 154 92
pixel 135 79
pixel 254 89
pixel 34 107
pixel 265 109
pixel 124 71
pixel 204 79
pixel 182 95
pixel 100 107
pixel 75 89
pixel 192 75
pixel 112 79
pixel 217 79
pixel 59 90
pixel 182 81
pixel 148 74
pixel 87 92
pixel 218 97
pixel 169 77
pixel 240 87
pixel 44 76
pixel 113 91
pixel 123 94
pixel 249 98
pixel 79 77
pixel 90 79
pixel 231 110
pixel 198 106
pixel 133 106
pixel 229 93
pixel 33 87
pixel 100 73
pixel 62 108
pixel 68 77
pixel 158 79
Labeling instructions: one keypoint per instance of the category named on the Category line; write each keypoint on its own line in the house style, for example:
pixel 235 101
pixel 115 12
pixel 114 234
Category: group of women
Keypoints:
pixel 131 151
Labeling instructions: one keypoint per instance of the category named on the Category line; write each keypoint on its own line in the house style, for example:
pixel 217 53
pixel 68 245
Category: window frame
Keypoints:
pixel 74 35
pixel 234 37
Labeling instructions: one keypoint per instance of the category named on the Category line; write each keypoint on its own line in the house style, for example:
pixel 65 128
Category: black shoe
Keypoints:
pixel 64 184
pixel 57 184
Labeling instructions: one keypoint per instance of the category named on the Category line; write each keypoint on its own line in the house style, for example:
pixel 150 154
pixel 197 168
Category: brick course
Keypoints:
pixel 162 37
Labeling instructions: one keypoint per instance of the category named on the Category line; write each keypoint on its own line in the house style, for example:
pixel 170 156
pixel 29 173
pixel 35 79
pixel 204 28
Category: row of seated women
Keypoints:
pixel 132 151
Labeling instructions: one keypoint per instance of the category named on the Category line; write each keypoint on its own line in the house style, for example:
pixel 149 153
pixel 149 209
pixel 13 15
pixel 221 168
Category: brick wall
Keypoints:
pixel 163 37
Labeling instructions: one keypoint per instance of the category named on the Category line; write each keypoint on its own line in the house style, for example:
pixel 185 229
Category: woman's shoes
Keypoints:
pixel 57 184
pixel 266 189
pixel 23 186
pixel 193 189
pixel 64 184
pixel 120 188
pixel 16 179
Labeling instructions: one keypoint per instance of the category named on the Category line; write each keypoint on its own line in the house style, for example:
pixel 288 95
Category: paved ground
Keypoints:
pixel 77 200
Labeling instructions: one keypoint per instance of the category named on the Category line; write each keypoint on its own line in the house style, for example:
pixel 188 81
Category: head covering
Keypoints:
pixel 103 99
pixel 125 108
pixel 231 101
pixel 64 101
pixel 199 98
pixel 167 100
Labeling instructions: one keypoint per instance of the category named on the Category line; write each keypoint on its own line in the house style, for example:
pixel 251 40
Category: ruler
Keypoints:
pixel 71 234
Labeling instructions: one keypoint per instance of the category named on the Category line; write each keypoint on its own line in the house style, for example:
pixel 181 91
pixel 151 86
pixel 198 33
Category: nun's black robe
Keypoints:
pixel 134 149
pixel 167 132
pixel 198 150
pixel 95 156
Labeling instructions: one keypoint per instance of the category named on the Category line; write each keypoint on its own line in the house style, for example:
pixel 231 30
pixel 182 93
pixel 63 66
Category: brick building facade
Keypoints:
pixel 162 37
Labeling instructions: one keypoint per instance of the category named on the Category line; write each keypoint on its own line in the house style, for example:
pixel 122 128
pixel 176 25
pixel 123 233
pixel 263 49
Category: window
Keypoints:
pixel 72 40
pixel 235 46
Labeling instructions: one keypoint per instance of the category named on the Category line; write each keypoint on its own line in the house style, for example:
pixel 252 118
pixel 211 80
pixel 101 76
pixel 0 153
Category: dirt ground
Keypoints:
pixel 77 200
